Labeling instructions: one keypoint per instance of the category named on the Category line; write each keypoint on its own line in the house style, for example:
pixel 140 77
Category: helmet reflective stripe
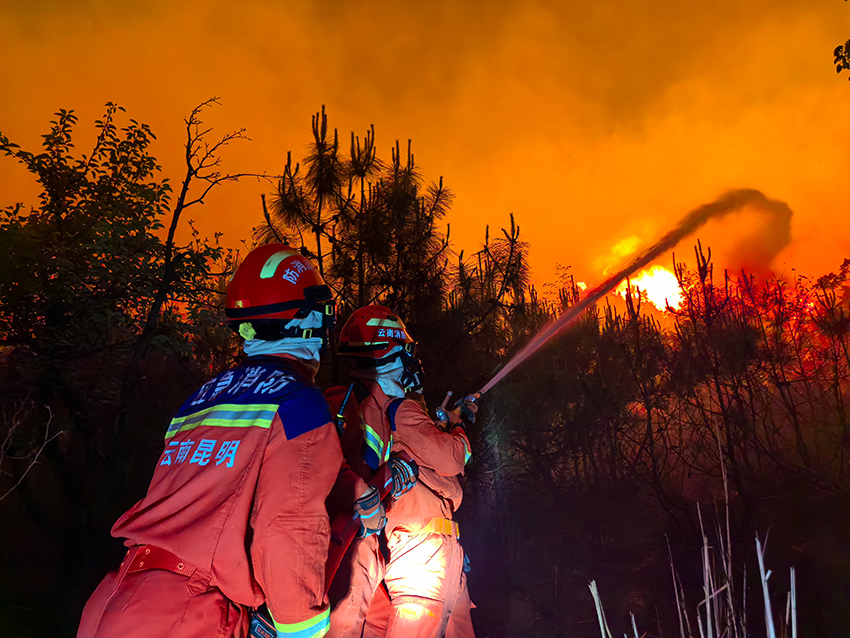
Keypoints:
pixel 273 262
pixel 387 323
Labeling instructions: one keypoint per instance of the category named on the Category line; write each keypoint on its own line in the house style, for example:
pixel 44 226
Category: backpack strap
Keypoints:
pixel 392 408
pixel 361 392
pixel 339 417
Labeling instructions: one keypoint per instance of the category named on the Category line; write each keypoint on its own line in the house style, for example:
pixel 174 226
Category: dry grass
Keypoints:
pixel 722 611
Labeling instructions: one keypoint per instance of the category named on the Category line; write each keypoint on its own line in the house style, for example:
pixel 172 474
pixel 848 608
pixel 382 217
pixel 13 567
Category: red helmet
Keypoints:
pixel 376 336
pixel 274 285
pixel 373 332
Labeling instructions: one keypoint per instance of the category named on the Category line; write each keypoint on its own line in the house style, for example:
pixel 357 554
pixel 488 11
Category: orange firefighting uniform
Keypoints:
pixel 366 445
pixel 424 576
pixel 378 618
pixel 234 516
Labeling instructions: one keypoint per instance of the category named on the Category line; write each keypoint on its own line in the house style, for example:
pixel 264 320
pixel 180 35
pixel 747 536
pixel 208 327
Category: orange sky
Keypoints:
pixel 593 122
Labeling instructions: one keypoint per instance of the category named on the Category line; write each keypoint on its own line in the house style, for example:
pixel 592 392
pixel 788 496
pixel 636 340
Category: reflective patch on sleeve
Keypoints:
pixel 314 628
pixel 372 439
pixel 226 415
pixel 373 449
pixel 389 448
pixel 466 453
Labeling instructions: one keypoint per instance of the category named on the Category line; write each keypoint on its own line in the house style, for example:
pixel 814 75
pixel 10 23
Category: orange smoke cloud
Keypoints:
pixel 589 121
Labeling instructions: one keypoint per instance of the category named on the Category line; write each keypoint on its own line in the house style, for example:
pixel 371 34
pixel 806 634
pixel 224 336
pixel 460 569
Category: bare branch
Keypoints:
pixel 215 180
pixel 33 455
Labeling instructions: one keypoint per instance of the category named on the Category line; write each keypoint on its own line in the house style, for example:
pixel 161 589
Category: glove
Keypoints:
pixel 442 415
pixel 371 512
pixel 442 418
pixel 467 407
pixel 455 421
pixel 404 475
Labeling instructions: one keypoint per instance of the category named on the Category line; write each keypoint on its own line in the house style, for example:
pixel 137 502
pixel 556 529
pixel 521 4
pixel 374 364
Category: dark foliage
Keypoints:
pixel 585 456
pixel 96 302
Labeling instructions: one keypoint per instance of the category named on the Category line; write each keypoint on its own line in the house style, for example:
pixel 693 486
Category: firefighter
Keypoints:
pixel 366 446
pixel 424 575
pixel 235 513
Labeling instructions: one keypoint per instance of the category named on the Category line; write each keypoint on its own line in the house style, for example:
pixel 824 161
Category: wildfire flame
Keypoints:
pixel 658 284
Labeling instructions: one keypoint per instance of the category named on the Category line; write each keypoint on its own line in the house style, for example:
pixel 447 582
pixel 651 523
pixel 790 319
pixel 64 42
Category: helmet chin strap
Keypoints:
pixel 413 385
pixel 411 376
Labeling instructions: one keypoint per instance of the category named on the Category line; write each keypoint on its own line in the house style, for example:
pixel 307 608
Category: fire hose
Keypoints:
pixel 730 202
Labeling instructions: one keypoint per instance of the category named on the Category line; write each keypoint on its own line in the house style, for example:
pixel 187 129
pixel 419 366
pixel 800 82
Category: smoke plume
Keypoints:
pixel 729 203
pixel 757 249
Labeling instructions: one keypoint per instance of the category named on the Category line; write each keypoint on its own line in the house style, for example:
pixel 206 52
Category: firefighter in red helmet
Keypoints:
pixel 424 575
pixel 235 513
pixel 366 445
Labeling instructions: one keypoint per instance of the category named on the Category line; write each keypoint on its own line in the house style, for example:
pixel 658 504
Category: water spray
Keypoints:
pixel 728 203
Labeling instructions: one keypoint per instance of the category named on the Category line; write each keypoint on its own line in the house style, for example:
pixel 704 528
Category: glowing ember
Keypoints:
pixel 658 284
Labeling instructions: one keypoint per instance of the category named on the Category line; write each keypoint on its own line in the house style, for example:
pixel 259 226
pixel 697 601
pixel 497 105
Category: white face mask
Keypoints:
pixel 388 376
pixel 306 350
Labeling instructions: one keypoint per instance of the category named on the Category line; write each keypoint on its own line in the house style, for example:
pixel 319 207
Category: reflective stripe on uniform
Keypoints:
pixel 466 453
pixel 373 440
pixel 389 448
pixel 443 526
pixel 314 628
pixel 228 415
